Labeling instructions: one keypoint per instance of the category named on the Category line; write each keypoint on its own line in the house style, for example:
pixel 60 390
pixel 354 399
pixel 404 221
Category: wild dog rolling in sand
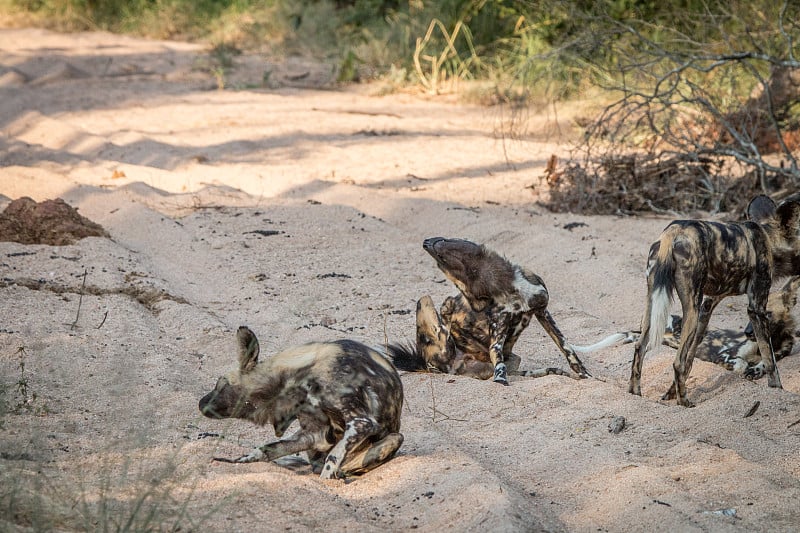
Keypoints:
pixel 706 261
pixel 347 398
pixel 738 350
pixel 477 329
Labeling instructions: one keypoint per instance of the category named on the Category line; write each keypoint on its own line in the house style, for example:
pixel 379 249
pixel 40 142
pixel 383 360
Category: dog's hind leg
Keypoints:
pixel 640 349
pixel 356 431
pixel 372 455
pixel 549 325
pixel 660 285
pixel 707 306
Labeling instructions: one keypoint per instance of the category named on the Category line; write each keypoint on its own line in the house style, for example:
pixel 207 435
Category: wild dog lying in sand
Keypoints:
pixel 738 351
pixel 347 398
pixel 706 261
pixel 476 331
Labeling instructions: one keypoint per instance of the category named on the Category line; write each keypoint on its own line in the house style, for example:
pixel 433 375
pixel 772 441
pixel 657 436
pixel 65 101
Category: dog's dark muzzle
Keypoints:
pixel 429 244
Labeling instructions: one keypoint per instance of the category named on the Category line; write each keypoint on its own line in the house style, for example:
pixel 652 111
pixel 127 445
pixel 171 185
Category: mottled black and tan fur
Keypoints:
pixel 346 397
pixel 738 350
pixel 475 332
pixel 703 262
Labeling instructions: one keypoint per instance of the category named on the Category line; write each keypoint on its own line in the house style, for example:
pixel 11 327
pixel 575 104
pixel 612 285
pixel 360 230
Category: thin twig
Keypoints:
pixel 385 335
pixel 752 410
pixel 104 320
pixel 433 399
pixel 80 300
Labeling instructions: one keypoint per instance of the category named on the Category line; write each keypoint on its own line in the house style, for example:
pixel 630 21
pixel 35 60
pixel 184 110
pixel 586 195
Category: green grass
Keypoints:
pixel 432 44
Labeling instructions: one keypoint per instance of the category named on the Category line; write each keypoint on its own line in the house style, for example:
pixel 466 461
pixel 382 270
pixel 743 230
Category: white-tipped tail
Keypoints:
pixel 608 341
pixel 659 314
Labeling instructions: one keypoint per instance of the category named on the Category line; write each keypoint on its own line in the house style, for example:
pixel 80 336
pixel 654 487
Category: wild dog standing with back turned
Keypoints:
pixel 706 261
pixel 346 397
pixel 477 330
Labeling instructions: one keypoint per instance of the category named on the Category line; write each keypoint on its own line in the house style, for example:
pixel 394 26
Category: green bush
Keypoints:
pixel 551 47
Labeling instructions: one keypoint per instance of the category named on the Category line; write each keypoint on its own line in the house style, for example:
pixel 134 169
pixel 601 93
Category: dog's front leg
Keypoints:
pixel 517 324
pixel 355 432
pixel 768 365
pixel 549 325
pixel 498 332
pixel 299 442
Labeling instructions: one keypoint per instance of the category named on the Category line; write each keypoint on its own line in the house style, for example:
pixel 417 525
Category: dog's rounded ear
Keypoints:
pixel 760 208
pixel 248 349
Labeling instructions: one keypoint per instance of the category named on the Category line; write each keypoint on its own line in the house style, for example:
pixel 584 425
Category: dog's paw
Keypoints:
pixel 579 369
pixel 685 403
pixel 501 374
pixel 252 457
pixel 329 471
pixel 755 371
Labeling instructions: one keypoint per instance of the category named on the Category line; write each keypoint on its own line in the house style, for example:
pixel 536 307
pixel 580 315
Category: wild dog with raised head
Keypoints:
pixel 476 331
pixel 346 397
pixel 738 350
pixel 706 261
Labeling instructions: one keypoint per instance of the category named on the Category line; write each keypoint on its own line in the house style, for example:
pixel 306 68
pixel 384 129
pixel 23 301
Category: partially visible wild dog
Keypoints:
pixel 706 261
pixel 346 396
pixel 738 350
pixel 477 329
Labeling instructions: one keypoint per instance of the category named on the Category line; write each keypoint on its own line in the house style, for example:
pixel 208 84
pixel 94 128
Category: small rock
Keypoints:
pixel 723 512
pixel 617 424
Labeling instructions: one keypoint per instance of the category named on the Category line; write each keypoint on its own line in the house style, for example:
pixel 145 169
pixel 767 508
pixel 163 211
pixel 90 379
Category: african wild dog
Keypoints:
pixel 738 351
pixel 706 261
pixel 347 398
pixel 477 329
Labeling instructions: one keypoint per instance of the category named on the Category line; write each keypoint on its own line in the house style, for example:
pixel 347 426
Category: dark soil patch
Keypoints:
pixel 51 222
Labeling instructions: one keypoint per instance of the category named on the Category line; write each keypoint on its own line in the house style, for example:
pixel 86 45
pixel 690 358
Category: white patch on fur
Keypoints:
pixel 526 290
pixel 253 457
pixel 650 263
pixel 740 365
pixel 659 313
pixel 312 400
pixel 302 356
pixel 378 355
pixel 374 400
pixel 755 371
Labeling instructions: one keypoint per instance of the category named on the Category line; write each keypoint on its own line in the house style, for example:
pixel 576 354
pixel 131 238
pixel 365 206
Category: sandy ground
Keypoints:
pixel 101 427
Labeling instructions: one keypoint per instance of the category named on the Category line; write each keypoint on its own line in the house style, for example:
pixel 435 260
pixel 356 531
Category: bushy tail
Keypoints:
pixel 405 357
pixel 662 284
pixel 624 337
